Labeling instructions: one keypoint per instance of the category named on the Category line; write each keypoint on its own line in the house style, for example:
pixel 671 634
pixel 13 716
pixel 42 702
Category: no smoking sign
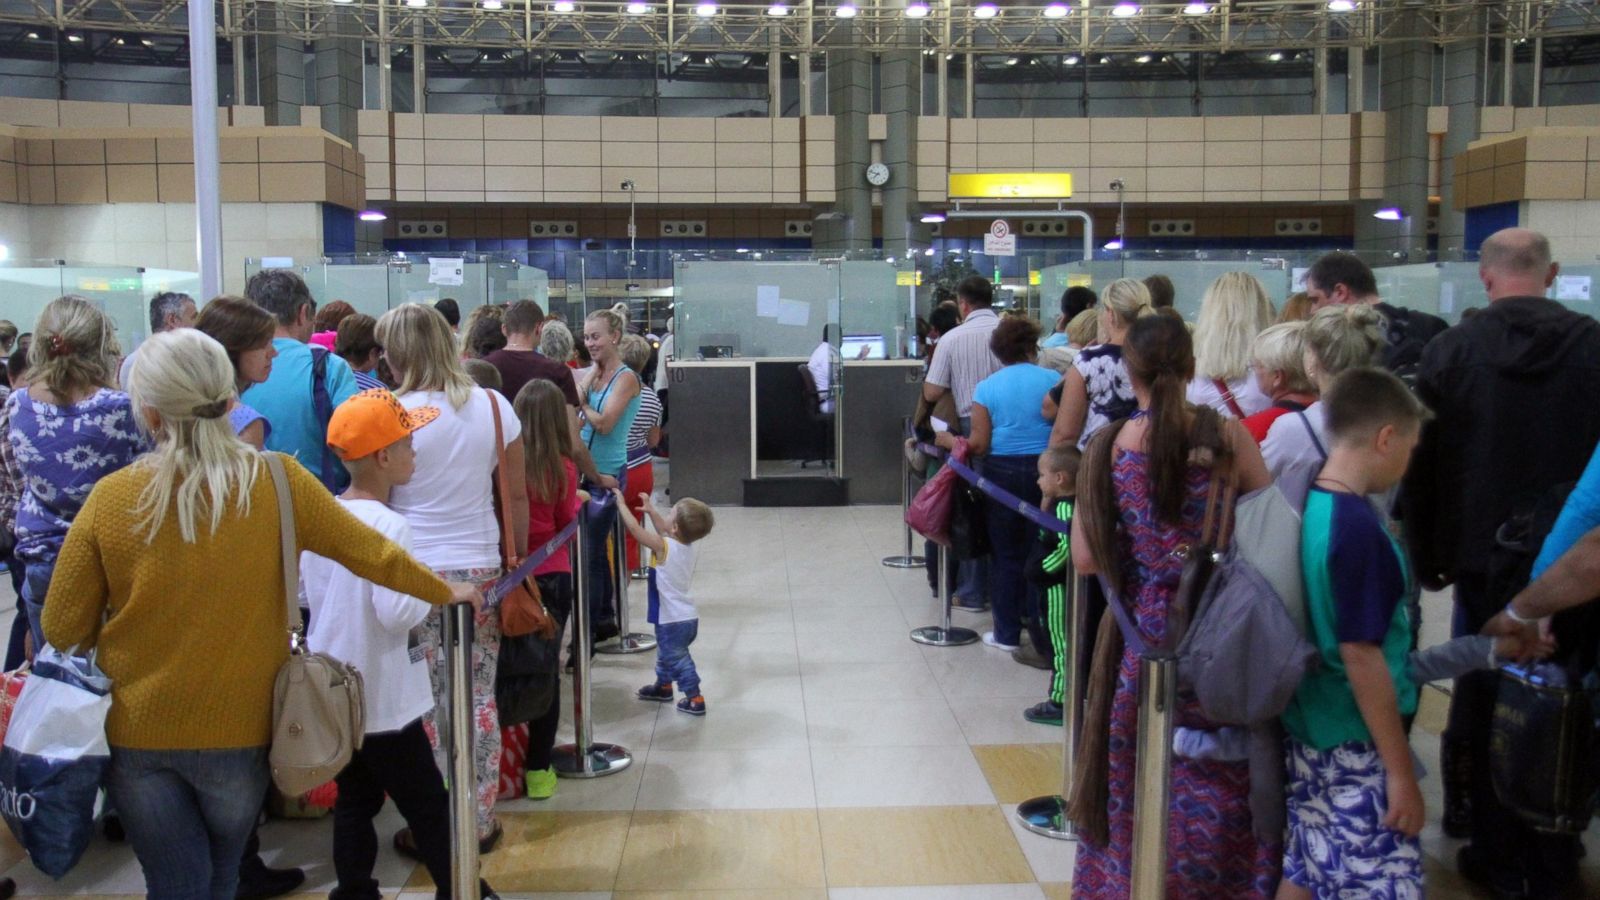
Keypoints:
pixel 999 241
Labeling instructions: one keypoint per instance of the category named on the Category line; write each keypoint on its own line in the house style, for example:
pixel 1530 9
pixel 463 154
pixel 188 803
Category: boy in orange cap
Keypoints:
pixel 372 628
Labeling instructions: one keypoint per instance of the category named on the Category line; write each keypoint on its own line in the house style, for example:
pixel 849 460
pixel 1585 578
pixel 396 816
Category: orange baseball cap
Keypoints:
pixel 371 421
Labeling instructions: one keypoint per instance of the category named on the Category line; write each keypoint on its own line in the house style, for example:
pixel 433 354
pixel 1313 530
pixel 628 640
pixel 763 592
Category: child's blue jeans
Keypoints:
pixel 673 663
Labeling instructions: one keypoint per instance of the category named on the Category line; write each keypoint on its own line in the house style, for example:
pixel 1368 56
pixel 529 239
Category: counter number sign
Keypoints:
pixel 999 241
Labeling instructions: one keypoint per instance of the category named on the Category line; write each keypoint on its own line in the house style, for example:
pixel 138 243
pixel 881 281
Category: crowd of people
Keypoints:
pixel 1403 443
pixel 132 488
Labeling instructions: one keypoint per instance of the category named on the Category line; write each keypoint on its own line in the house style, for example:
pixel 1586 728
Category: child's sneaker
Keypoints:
pixel 1046 713
pixel 660 693
pixel 694 706
pixel 541 783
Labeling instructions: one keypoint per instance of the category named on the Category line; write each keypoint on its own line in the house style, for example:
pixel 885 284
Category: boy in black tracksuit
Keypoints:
pixel 1050 567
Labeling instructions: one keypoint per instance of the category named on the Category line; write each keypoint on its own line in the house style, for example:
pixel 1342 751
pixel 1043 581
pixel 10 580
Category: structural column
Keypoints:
pixel 282 62
pixel 850 102
pixel 1463 79
pixel 339 74
pixel 902 102
pixel 1407 91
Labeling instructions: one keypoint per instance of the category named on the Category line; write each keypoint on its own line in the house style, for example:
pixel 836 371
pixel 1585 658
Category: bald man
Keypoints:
pixel 1514 392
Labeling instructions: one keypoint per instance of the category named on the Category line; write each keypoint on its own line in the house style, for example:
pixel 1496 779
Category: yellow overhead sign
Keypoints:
pixel 1010 185
pixel 907 279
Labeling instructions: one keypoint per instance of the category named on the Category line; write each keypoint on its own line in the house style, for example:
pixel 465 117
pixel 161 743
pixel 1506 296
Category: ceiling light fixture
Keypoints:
pixel 372 215
pixel 493 5
pixel 844 11
pixel 706 10
pixel 1142 58
pixel 563 6
pixel 1071 60
pixel 1113 244
pixel 416 4
pixel 1197 9
pixel 1012 60
pixel 932 218
pixel 917 9
pixel 75 38
pixel 1275 56
pixel 637 9
pixel 1341 6
pixel 1125 9
pixel 985 11
pixel 777 10
pixel 33 35
pixel 1056 10
pixel 1390 214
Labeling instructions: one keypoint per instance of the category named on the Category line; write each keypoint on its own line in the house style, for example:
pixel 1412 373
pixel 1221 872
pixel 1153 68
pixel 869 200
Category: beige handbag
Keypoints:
pixel 319 713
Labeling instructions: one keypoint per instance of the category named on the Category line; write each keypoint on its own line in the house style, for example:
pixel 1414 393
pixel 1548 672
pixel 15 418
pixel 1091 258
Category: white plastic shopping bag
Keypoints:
pixel 54 759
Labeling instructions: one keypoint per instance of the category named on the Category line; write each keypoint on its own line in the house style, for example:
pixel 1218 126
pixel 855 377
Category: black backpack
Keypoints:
pixel 1407 332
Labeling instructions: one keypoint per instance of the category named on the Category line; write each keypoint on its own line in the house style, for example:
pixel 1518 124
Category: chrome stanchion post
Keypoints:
pixel 463 780
pixel 583 758
pixel 1048 815
pixel 627 640
pixel 907 561
pixel 1152 786
pixel 943 634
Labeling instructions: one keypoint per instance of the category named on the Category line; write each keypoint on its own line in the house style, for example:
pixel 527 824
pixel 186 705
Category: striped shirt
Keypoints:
pixel 639 435
pixel 963 358
pixel 367 381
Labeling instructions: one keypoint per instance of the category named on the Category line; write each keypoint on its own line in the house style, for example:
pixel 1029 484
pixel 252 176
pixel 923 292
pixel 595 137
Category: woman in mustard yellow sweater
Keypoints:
pixel 173 572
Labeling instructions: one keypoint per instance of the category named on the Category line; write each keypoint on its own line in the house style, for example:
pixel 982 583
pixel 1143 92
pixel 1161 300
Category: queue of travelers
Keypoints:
pixel 1403 445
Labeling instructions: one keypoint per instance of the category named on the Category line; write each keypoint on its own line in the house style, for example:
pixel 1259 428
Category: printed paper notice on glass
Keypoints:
pixel 767 300
pixel 447 272
pixel 1447 298
pixel 277 262
pixel 794 312
pixel 1574 288
pixel 1297 278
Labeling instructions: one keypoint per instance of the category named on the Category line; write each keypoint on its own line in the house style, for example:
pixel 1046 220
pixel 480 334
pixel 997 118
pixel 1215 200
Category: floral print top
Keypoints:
pixel 61 452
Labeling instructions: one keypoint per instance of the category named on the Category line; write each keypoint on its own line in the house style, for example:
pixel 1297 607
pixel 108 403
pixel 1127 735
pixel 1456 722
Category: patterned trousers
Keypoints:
pixel 485 715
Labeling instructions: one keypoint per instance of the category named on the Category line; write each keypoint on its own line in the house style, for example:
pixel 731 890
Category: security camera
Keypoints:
pixel 1117 185
pixel 627 185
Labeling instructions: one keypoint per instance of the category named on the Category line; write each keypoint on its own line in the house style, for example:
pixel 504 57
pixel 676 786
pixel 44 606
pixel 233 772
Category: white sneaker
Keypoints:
pixel 988 638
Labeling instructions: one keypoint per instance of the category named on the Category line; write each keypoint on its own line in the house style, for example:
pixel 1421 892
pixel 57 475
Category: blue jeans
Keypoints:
pixel 35 585
pixel 597 535
pixel 188 814
pixel 1011 537
pixel 673 662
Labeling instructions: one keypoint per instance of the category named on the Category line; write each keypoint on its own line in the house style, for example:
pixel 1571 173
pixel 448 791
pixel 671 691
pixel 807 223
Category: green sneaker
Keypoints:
pixel 541 783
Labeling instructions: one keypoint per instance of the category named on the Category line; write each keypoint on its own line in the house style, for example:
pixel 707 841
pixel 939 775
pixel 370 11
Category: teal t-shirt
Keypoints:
pixel 1013 396
pixel 1356 583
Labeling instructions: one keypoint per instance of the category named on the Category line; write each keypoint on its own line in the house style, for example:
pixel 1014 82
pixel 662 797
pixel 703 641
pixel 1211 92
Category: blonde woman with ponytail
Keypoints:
pixel 1097 390
pixel 68 429
pixel 173 573
pixel 1142 493
pixel 1234 310
pixel 449 505
pixel 611 397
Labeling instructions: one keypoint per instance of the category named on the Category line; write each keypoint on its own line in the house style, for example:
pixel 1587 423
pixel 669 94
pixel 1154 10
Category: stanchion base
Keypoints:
pixel 904 562
pixel 628 643
pixel 1047 816
pixel 939 636
pixel 640 574
pixel 603 759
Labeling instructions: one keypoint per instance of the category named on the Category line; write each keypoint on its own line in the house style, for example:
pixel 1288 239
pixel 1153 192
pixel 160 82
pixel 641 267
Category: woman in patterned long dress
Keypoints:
pixel 1134 524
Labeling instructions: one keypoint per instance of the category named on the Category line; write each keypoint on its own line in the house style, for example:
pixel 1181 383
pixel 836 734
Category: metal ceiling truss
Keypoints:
pixel 951 26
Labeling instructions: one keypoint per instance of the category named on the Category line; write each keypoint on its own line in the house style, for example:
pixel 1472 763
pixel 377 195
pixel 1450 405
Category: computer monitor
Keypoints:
pixel 850 348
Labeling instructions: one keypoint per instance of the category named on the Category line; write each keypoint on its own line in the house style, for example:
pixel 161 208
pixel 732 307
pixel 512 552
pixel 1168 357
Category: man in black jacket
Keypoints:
pixel 1342 278
pixel 1514 392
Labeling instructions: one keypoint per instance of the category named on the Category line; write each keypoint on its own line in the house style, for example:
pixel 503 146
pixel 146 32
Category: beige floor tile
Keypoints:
pixel 756 894
pixel 558 851
pixel 1057 890
pixel 940 892
pixel 1433 709
pixel 898 776
pixel 1017 772
pixel 708 850
pixel 925 845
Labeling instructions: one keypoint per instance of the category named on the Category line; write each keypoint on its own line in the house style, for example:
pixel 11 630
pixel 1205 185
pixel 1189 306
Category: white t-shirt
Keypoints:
pixel 450 501
pixel 1246 392
pixel 670 575
pixel 370 627
pixel 663 360
pixel 821 366
pixel 1292 455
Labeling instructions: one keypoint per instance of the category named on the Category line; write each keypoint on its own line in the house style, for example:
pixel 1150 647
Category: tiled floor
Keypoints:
pixel 838 760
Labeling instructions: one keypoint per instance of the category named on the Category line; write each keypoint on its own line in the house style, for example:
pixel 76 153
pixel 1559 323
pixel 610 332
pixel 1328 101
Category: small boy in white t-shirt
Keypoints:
pixel 373 629
pixel 672 610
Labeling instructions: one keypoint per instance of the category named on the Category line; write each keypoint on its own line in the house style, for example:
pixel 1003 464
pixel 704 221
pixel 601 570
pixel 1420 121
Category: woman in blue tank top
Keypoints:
pixel 610 396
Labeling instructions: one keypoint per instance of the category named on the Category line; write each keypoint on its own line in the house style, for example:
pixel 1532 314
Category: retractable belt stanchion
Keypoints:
pixel 641 568
pixel 944 635
pixel 1048 815
pixel 908 561
pixel 583 758
pixel 463 796
pixel 627 640
pixel 1152 786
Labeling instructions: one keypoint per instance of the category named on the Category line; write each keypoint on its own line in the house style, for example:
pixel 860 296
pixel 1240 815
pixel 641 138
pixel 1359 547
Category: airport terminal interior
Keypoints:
pixel 746 182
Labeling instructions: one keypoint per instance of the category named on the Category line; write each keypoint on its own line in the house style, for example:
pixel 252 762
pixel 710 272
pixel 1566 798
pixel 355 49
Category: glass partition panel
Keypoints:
pixel 119 291
pixel 1575 287
pixel 1413 287
pixel 758 308
pixel 875 298
pixel 25 287
pixel 597 279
